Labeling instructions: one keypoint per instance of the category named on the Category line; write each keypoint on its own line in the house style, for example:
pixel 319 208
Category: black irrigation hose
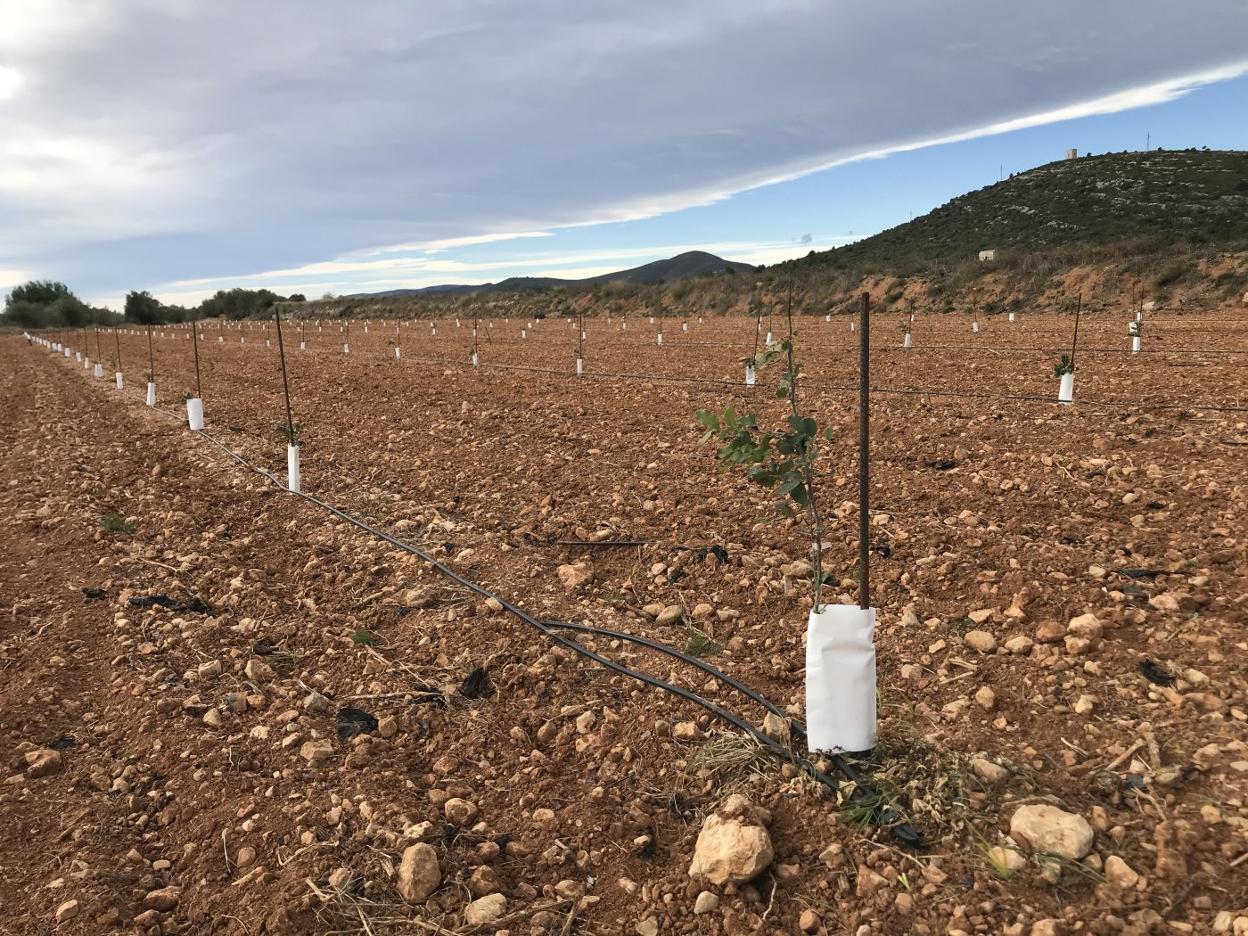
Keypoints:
pixel 862 788
pixel 1136 405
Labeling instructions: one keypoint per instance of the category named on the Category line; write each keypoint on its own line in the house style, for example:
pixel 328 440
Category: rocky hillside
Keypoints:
pixel 1186 197
pixel 1104 231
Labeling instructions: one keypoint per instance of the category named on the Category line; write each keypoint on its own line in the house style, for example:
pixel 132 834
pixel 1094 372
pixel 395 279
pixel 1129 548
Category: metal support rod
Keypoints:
pixel 1075 342
pixel 199 390
pixel 864 453
pixel 99 352
pixel 151 357
pixel 117 339
pixel 281 352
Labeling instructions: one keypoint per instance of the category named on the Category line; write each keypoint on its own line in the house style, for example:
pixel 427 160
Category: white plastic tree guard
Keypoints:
pixel 906 341
pixel 660 338
pixel 1011 316
pixel 750 375
pixel 975 328
pixel 303 346
pixel 151 393
pixel 840 678
pixel 98 373
pixel 474 359
pixel 195 414
pixel 119 380
pixel 1135 344
pixel 398 354
pixel 684 326
pixel 768 339
pixel 346 347
pixel 580 366
pixel 292 468
pixel 1066 389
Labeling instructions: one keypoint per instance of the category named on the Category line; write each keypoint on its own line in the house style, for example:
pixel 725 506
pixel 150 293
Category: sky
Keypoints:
pixel 323 146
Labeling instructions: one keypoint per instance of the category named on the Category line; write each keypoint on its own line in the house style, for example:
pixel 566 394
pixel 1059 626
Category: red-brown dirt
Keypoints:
pixel 184 739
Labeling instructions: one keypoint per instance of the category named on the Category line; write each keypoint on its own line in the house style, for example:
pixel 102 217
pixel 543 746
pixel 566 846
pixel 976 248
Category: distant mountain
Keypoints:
pixel 682 266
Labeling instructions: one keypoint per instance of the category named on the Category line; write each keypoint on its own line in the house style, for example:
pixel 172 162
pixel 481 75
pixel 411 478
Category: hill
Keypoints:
pixel 1097 231
pixel 690 263
pixel 1158 197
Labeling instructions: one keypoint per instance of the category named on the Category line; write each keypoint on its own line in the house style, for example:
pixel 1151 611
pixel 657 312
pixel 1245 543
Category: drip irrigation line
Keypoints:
pixel 862 786
pixel 1136 405
pixel 1133 405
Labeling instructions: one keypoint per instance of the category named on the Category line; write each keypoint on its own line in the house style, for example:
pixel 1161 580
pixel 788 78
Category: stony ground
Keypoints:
pixel 226 711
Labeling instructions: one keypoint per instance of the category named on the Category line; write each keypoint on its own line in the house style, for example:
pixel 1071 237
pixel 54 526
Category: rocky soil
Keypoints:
pixel 224 710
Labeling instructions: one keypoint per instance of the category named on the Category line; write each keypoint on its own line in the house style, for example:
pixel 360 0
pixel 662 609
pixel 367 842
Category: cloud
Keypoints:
pixel 154 141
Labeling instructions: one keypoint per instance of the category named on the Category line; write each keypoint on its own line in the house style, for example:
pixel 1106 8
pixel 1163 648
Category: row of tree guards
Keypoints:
pixel 840 650
pixel 1064 370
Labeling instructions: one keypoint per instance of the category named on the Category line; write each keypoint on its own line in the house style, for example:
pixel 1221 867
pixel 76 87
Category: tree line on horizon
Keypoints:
pixel 48 304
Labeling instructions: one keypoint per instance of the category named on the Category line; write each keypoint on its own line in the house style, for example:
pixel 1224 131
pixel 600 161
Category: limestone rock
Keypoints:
pixel 164 899
pixel 485 910
pixel 733 846
pixel 980 641
pixel 1046 828
pixel 419 873
pixel 1119 873
pixel 575 575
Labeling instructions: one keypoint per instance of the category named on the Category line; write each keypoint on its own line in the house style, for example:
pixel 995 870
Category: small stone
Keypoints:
pixel 985 698
pixel 1047 927
pixel 1085 625
pixel 989 772
pixel 981 641
pixel 246 857
pixel 212 718
pixel 686 731
pixel 419 873
pixel 66 911
pixel 1019 644
pixel 1076 646
pixel 809 921
pixel 1046 828
pixel 484 880
pixel 670 615
pixel 776 728
pixel 315 703
pixel 706 902
pixel 314 752
pixel 702 611
pixel 163 900
pixel 258 672
pixel 387 726
pixel 44 762
pixel 1006 860
pixel 341 879
pixel 1120 874
pixel 647 927
pixel 485 910
pixel 1085 704
pixel 733 848
pixel 1050 632
pixel 459 811
pixel 585 722
pixel 575 575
